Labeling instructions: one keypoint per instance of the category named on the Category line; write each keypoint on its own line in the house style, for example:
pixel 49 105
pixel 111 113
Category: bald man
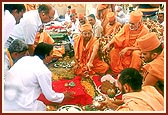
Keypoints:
pixel 30 24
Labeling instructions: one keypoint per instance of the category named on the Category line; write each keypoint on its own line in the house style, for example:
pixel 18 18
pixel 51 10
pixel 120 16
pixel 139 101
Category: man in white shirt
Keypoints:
pixel 67 15
pixel 16 50
pixel 12 15
pixel 97 28
pixel 30 24
pixel 121 16
pixel 75 23
pixel 28 78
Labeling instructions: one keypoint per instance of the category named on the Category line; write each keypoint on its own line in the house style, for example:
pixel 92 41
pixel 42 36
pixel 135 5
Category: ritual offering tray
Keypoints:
pixel 62 65
pixel 96 104
pixel 99 98
pixel 108 89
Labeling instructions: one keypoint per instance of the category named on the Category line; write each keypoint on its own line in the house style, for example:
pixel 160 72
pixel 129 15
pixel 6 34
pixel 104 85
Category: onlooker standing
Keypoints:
pixel 97 28
pixel 120 15
pixel 73 25
pixel 12 15
pixel 160 18
pixel 119 12
pixel 30 24
pixel 67 15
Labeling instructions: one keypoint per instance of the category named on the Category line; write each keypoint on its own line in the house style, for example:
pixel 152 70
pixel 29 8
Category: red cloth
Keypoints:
pixel 119 96
pixel 54 27
pixel 80 96
pixel 96 80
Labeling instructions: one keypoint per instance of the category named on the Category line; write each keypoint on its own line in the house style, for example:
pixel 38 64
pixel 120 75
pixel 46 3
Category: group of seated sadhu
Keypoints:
pixel 131 49
pixel 128 51
pixel 124 53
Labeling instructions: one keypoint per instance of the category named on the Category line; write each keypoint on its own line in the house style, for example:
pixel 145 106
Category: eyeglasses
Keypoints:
pixel 132 23
pixel 51 17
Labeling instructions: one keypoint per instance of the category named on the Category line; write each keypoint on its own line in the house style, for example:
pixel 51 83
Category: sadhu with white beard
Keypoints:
pixel 125 54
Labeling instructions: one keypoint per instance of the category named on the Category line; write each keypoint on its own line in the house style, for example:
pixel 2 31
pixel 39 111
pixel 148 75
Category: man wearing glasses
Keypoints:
pixel 30 24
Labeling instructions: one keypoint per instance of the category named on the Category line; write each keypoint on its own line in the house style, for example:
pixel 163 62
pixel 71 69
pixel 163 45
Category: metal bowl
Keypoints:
pixel 69 108
pixel 99 91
